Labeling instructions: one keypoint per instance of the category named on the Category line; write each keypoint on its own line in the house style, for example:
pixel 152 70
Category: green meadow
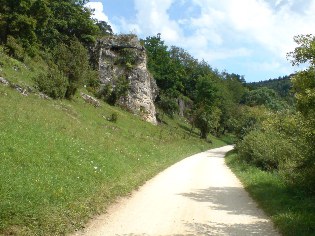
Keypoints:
pixel 63 161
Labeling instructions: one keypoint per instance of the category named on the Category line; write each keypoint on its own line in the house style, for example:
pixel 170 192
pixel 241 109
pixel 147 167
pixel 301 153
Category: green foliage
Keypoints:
pixel 105 28
pixel 69 20
pixel 212 95
pixel 168 105
pixel 113 117
pixel 111 93
pixel 206 119
pixel 267 150
pixel 42 23
pixel 53 83
pixel 282 85
pixel 206 89
pixel 291 209
pixel 105 92
pixel 73 62
pixel 304 88
pixel 15 49
pixel 127 57
pixel 305 52
pixel 206 115
pixel 159 63
pixel 281 143
pixel 17 22
pixel 61 28
pixel 263 96
pixel 235 85
pixel 284 141
pixel 245 119
pixel 92 81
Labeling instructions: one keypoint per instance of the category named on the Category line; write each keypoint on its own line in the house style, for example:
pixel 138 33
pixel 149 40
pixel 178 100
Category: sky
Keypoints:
pixel 246 37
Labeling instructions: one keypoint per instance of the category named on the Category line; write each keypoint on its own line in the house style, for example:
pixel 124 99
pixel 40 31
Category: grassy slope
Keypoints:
pixel 62 161
pixel 292 211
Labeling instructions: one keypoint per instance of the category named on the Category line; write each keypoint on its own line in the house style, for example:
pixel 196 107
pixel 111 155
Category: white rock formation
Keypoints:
pixel 123 56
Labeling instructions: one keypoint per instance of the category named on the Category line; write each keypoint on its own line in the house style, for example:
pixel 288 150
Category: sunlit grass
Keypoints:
pixel 291 209
pixel 63 161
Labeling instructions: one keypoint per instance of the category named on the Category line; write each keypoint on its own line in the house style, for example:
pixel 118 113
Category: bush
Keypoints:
pixel 284 143
pixel 128 56
pixel 92 81
pixel 73 61
pixel 112 93
pixel 15 49
pixel 53 83
pixel 268 151
pixel 168 105
pixel 113 117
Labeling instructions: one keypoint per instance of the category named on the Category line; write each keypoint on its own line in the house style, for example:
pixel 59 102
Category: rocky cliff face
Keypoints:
pixel 123 73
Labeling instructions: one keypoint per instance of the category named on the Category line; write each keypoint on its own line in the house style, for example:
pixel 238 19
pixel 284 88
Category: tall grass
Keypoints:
pixel 291 209
pixel 63 161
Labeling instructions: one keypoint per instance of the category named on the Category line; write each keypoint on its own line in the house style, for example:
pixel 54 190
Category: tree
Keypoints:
pixel 304 88
pixel 167 104
pixel 206 114
pixel 46 23
pixel 304 81
pixel 72 61
pixel 161 65
pixel 263 96
pixel 105 28
pixel 70 19
pixel 235 85
pixel 17 22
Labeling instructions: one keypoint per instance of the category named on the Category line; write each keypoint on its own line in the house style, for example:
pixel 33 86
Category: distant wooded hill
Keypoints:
pixel 282 85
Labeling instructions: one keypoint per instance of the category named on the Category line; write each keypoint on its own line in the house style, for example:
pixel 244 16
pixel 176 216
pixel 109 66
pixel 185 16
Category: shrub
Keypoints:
pixel 53 83
pixel 113 117
pixel 268 151
pixel 112 93
pixel 105 92
pixel 92 81
pixel 168 105
pixel 73 61
pixel 14 48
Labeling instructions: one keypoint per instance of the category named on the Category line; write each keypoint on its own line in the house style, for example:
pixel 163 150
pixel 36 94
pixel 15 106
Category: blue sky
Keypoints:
pixel 247 37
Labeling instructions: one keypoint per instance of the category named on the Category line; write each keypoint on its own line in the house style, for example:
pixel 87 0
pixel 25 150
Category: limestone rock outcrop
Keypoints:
pixel 122 64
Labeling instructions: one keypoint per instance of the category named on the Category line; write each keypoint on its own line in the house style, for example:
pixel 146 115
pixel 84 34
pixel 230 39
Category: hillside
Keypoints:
pixel 63 161
pixel 282 85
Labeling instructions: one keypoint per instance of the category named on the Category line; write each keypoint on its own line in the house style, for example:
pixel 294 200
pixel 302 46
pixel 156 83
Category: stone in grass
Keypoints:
pixel 21 90
pixel 91 100
pixel 43 96
pixel 4 81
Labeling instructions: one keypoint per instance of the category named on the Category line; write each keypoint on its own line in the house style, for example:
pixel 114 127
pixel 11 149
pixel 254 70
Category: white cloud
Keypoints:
pixel 99 14
pixel 221 54
pixel 226 29
pixel 152 18
pixel 98 10
pixel 259 22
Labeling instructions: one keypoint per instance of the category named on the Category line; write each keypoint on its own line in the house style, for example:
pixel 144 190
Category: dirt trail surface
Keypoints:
pixel 197 196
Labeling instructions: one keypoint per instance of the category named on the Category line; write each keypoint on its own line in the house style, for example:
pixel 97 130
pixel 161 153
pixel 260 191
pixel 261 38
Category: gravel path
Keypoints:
pixel 197 196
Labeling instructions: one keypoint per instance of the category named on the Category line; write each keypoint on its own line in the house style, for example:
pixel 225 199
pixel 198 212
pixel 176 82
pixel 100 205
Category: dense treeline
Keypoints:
pixel 274 130
pixel 193 88
pixel 57 32
pixel 282 85
pixel 282 140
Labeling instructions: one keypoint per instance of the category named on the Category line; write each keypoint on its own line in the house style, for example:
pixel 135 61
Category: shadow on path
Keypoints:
pixel 229 199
